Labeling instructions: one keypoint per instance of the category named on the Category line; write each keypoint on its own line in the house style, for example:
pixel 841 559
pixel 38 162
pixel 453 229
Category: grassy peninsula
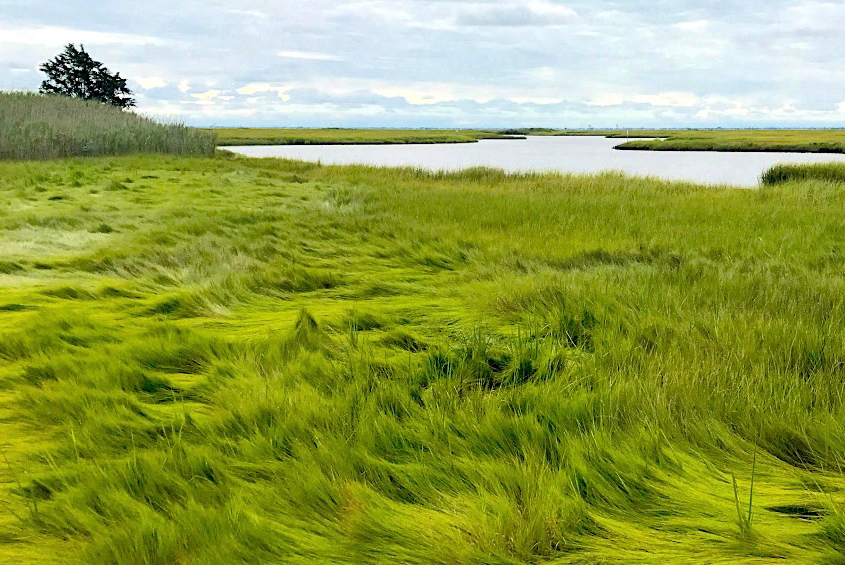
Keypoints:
pixel 765 140
pixel 342 136
pixel 215 360
pixel 786 141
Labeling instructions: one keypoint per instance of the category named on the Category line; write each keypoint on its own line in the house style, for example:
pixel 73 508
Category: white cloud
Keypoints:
pixel 151 82
pixel 55 36
pixel 668 99
pixel 695 26
pixel 553 11
pixel 248 13
pixel 206 96
pixel 672 99
pixel 736 111
pixel 256 87
pixel 308 56
pixel 517 14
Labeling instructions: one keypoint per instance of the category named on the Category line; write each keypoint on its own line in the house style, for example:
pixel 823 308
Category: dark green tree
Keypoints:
pixel 74 73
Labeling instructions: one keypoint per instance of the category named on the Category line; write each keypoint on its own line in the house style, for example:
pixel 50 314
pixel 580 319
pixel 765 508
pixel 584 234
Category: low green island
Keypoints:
pixel 209 359
pixel 741 140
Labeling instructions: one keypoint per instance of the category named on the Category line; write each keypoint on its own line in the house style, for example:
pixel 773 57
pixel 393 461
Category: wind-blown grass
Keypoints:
pixel 34 126
pixel 362 365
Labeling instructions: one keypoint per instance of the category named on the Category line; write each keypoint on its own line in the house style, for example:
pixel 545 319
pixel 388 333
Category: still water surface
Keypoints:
pixel 539 153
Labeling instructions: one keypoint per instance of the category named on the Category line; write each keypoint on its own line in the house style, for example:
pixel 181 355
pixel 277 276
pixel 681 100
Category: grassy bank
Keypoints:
pixel 766 140
pixel 34 126
pixel 833 173
pixel 790 141
pixel 612 133
pixel 340 136
pixel 787 141
pixel 361 365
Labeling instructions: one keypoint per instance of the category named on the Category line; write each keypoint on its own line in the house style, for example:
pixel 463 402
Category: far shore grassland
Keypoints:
pixel 343 136
pixel 767 140
pixel 771 140
pixel 216 360
pixel 738 140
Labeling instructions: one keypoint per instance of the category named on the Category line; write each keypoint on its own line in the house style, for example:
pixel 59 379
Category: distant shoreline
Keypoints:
pixel 719 140
pixel 383 142
pixel 332 136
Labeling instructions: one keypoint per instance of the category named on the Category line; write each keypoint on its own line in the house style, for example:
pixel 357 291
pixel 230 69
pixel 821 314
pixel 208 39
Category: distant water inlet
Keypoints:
pixel 561 154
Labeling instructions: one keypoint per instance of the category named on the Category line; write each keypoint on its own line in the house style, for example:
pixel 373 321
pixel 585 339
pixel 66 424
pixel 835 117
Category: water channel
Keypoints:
pixel 540 153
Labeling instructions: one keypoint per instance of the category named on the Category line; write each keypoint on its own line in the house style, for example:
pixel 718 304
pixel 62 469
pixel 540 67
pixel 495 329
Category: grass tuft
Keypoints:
pixel 826 172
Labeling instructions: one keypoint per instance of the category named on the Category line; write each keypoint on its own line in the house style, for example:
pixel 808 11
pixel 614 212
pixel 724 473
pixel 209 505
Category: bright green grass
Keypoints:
pixel 34 126
pixel 223 361
pixel 340 136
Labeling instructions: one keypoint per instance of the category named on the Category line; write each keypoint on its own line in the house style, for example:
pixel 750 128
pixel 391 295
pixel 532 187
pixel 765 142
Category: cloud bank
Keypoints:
pixel 451 63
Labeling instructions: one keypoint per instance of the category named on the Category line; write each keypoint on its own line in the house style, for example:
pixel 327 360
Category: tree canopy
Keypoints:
pixel 74 73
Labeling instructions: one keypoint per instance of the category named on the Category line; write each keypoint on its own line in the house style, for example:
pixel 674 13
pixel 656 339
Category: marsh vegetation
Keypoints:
pixel 821 172
pixel 723 140
pixel 225 360
pixel 218 360
pixel 34 126
pixel 738 140
pixel 346 136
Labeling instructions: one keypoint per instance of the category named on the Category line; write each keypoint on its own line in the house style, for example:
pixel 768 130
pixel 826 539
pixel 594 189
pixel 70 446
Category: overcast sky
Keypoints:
pixel 451 63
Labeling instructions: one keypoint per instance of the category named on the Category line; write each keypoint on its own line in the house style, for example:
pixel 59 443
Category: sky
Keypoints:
pixel 451 63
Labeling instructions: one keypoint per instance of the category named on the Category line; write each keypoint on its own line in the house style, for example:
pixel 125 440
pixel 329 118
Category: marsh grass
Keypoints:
pixel 731 140
pixel 349 136
pixel 34 126
pixel 743 140
pixel 756 140
pixel 368 365
pixel 825 172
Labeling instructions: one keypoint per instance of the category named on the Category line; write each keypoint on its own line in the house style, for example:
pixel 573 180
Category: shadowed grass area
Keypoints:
pixel 343 136
pixel 34 126
pixel 231 360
